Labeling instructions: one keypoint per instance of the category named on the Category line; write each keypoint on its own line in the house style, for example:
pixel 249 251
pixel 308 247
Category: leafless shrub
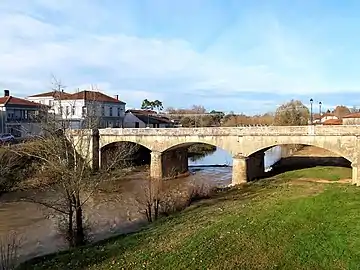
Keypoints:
pixel 199 192
pixel 156 200
pixel 9 246
pixel 150 198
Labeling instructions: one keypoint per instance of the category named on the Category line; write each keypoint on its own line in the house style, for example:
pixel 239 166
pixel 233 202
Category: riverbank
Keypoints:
pixel 283 222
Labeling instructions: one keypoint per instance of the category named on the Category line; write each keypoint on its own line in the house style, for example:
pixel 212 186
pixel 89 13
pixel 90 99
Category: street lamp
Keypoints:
pixel 311 114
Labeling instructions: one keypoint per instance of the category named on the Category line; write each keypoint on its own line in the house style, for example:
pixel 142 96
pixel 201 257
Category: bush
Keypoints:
pixel 158 201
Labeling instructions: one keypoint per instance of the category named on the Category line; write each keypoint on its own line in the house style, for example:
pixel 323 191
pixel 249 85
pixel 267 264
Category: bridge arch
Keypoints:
pixel 207 141
pixel 336 151
pixel 104 144
pixel 119 154
pixel 333 145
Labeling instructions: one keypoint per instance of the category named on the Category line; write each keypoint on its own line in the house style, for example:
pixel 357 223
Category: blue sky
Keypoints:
pixel 231 55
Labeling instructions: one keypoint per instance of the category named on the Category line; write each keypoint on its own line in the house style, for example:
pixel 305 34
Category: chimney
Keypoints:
pixel 6 93
pixel 117 97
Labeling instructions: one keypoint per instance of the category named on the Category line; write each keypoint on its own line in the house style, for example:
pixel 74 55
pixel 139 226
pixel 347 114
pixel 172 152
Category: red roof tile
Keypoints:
pixel 92 96
pixel 10 100
pixel 352 115
pixel 333 122
pixel 51 94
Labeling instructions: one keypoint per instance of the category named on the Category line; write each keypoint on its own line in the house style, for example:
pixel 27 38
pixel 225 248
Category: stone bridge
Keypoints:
pixel 247 145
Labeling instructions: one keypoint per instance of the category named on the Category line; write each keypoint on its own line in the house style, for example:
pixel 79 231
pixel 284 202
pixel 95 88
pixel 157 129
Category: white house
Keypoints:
pixel 145 118
pixel 76 108
pixel 326 117
pixel 19 116
pixel 351 119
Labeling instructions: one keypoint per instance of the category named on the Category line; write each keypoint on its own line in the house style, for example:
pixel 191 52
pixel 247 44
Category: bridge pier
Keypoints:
pixel 169 164
pixel 255 166
pixel 239 170
pixel 156 165
pixel 355 174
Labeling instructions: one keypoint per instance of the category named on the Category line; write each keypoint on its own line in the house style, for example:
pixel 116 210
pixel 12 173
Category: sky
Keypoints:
pixel 246 56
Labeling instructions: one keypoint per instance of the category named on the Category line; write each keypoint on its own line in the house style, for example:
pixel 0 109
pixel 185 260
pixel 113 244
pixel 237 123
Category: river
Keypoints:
pixel 108 212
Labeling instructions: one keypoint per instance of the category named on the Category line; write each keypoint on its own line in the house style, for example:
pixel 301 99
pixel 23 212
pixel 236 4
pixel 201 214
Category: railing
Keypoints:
pixel 235 131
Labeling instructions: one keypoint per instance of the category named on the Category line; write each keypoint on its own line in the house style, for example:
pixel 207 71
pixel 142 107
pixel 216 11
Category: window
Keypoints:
pixel 119 111
pixel 50 102
pixel 61 110
pixel 67 110
pixel 73 110
pixel 83 113
pixel 102 110
pixel 137 125
pixel 110 111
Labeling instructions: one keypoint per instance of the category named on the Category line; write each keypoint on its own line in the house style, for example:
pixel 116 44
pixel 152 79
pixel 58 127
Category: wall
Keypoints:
pixel 42 100
pixel 255 165
pixel 351 121
pixel 289 149
pixel 328 117
pixel 130 119
pixel 73 110
pixel 175 163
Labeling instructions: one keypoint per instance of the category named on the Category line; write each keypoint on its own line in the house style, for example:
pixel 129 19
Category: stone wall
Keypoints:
pixel 290 149
pixel 255 165
pixel 174 163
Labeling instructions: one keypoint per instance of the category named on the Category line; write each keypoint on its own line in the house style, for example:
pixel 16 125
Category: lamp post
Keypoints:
pixel 311 114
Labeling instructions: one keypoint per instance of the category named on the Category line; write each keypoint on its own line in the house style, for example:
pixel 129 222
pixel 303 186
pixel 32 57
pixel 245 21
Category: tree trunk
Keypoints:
pixel 79 233
pixel 70 232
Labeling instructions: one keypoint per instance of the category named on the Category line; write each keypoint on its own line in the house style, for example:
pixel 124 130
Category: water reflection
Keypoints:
pixel 222 157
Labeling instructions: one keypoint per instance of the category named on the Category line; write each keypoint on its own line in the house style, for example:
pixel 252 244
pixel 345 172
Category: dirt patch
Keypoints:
pixel 324 181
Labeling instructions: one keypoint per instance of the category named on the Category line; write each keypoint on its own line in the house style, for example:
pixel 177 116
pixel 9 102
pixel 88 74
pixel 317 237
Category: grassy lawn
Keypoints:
pixel 323 173
pixel 275 223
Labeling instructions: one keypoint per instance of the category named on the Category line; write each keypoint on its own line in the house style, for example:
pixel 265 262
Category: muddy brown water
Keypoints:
pixel 109 213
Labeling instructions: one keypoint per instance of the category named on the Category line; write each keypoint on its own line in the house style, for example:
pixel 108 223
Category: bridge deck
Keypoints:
pixel 342 130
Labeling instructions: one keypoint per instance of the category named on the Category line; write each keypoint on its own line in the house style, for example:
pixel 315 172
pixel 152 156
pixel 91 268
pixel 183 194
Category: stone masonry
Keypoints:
pixel 245 144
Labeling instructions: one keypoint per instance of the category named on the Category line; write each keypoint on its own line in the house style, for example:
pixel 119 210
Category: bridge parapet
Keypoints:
pixel 235 131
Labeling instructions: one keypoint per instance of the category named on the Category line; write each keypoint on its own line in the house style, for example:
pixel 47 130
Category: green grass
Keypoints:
pixel 324 173
pixel 270 224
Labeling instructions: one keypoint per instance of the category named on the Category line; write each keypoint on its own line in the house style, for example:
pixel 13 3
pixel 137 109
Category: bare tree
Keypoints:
pixel 66 164
pixel 292 113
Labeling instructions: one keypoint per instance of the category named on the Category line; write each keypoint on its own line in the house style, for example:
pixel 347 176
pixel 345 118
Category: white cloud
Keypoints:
pixel 135 68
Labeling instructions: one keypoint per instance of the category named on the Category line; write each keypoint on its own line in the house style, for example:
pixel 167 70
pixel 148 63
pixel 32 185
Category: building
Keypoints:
pixel 19 116
pixel 75 109
pixel 351 119
pixel 321 119
pixel 145 118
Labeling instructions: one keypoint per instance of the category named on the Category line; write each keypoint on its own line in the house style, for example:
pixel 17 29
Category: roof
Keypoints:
pixel 328 114
pixel 333 122
pixel 92 96
pixel 51 94
pixel 352 115
pixel 84 95
pixel 146 112
pixel 317 116
pixel 10 100
pixel 147 116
